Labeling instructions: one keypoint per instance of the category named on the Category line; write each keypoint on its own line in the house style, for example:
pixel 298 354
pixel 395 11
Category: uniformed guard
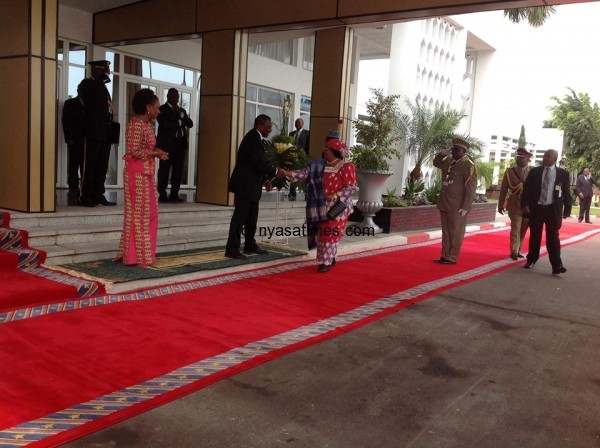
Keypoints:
pixel 459 182
pixel 510 200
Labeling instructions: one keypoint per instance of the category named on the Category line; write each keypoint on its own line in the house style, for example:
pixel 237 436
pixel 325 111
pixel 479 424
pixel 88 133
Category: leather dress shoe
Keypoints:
pixel 559 270
pixel 87 202
pixel 588 222
pixel 514 256
pixel 439 260
pixel 236 255
pixel 323 268
pixel 176 199
pixel 333 262
pixel 104 201
pixel 163 199
pixel 256 250
pixel 520 255
pixel 444 261
pixel 529 265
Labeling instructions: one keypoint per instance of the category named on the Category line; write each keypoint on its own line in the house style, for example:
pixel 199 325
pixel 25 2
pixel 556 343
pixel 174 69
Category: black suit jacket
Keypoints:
pixel 96 115
pixel 72 120
pixel 561 199
pixel 251 169
pixel 584 186
pixel 303 140
pixel 168 124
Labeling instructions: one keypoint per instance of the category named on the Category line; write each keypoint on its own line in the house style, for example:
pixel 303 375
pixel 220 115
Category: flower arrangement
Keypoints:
pixel 282 153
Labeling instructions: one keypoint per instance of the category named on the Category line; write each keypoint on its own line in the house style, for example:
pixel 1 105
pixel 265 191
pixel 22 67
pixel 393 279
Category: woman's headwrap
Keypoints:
pixel 337 145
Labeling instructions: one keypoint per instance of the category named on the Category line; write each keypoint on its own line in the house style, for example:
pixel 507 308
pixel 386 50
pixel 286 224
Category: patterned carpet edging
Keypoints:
pixel 37 430
pixel 15 240
pixel 41 310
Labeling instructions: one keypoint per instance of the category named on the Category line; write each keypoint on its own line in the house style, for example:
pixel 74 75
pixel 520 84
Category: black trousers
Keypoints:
pixel 74 164
pixel 584 207
pixel 175 165
pixel 95 165
pixel 541 216
pixel 244 218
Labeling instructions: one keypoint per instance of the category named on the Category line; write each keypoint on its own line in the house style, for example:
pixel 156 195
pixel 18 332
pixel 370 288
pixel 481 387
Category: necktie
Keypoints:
pixel 179 132
pixel 297 135
pixel 545 182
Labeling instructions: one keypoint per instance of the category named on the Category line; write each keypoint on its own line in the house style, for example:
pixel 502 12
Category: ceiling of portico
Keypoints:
pixel 94 6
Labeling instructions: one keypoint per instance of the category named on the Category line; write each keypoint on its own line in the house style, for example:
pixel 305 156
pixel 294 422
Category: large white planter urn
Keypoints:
pixel 370 184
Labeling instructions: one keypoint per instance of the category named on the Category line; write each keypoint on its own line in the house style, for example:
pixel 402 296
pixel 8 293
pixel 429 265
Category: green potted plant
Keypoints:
pixel 377 137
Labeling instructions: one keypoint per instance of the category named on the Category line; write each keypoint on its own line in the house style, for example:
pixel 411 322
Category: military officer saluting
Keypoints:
pixel 459 182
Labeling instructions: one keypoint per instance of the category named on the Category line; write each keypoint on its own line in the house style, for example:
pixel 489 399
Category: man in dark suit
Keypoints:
pixel 72 122
pixel 584 190
pixel 173 125
pixel 97 116
pixel 546 200
pixel 250 173
pixel 301 141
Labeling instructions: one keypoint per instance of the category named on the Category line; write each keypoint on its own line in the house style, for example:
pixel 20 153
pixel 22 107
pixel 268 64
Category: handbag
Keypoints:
pixel 337 208
pixel 115 132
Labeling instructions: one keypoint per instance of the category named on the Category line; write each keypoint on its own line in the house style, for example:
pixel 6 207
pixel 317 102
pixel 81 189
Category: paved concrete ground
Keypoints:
pixel 511 360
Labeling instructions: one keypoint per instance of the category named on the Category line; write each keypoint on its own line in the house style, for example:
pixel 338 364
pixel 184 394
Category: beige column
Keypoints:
pixel 28 35
pixel 222 112
pixel 331 84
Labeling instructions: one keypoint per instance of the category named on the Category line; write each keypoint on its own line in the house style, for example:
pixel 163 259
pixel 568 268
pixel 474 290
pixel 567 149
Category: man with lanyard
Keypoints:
pixel 510 200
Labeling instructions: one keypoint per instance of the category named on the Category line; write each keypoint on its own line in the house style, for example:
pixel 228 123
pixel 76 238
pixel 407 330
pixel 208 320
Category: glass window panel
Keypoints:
pixel 308 54
pixel 133 66
pixel 305 103
pixel 274 113
pixel 77 53
pixel 270 97
pixel 115 61
pixel 76 75
pixel 279 51
pixel 251 93
pixel 250 116
pixel 59 50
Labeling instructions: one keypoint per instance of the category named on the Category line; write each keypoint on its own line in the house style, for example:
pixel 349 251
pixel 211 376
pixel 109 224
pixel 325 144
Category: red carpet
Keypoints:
pixel 56 361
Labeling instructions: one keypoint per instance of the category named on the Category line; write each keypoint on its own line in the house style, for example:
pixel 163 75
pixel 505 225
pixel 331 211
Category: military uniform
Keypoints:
pixel 510 199
pixel 459 182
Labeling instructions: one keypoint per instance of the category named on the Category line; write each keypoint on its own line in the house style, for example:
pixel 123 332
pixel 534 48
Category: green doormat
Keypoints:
pixel 174 263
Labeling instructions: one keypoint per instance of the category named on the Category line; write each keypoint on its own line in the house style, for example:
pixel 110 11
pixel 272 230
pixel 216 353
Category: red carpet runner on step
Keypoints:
pixel 23 282
pixel 65 374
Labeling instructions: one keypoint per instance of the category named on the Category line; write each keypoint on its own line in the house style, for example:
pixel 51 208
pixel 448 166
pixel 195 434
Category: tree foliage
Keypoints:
pixel 522 139
pixel 426 132
pixel 378 135
pixel 580 120
pixel 536 16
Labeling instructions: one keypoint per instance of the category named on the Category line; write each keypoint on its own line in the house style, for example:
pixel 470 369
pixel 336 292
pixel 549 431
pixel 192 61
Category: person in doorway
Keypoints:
pixel 250 174
pixel 329 179
pixel 72 122
pixel 173 125
pixel 97 116
pixel 459 182
pixel 585 192
pixel 137 246
pixel 301 141
pixel 547 201
pixel 510 200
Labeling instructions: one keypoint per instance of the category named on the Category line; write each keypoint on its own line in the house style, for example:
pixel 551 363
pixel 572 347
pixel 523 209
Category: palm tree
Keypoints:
pixel 426 132
pixel 536 15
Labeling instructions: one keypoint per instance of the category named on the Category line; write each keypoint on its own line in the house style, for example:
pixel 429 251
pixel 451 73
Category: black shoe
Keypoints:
pixel 333 262
pixel 559 270
pixel 73 198
pixel 580 220
pixel 444 261
pixel 102 201
pixel 163 199
pixel 87 202
pixel 176 199
pixel 439 260
pixel 236 255
pixel 292 197
pixel 514 256
pixel 520 255
pixel 588 222
pixel 323 268
pixel 529 265
pixel 256 250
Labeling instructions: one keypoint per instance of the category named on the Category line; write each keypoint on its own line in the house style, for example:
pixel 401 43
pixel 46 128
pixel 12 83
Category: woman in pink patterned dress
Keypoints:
pixel 140 223
pixel 327 181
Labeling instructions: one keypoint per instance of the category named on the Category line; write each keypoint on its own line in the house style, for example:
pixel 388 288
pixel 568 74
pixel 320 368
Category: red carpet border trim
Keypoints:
pixel 194 376
pixel 41 310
